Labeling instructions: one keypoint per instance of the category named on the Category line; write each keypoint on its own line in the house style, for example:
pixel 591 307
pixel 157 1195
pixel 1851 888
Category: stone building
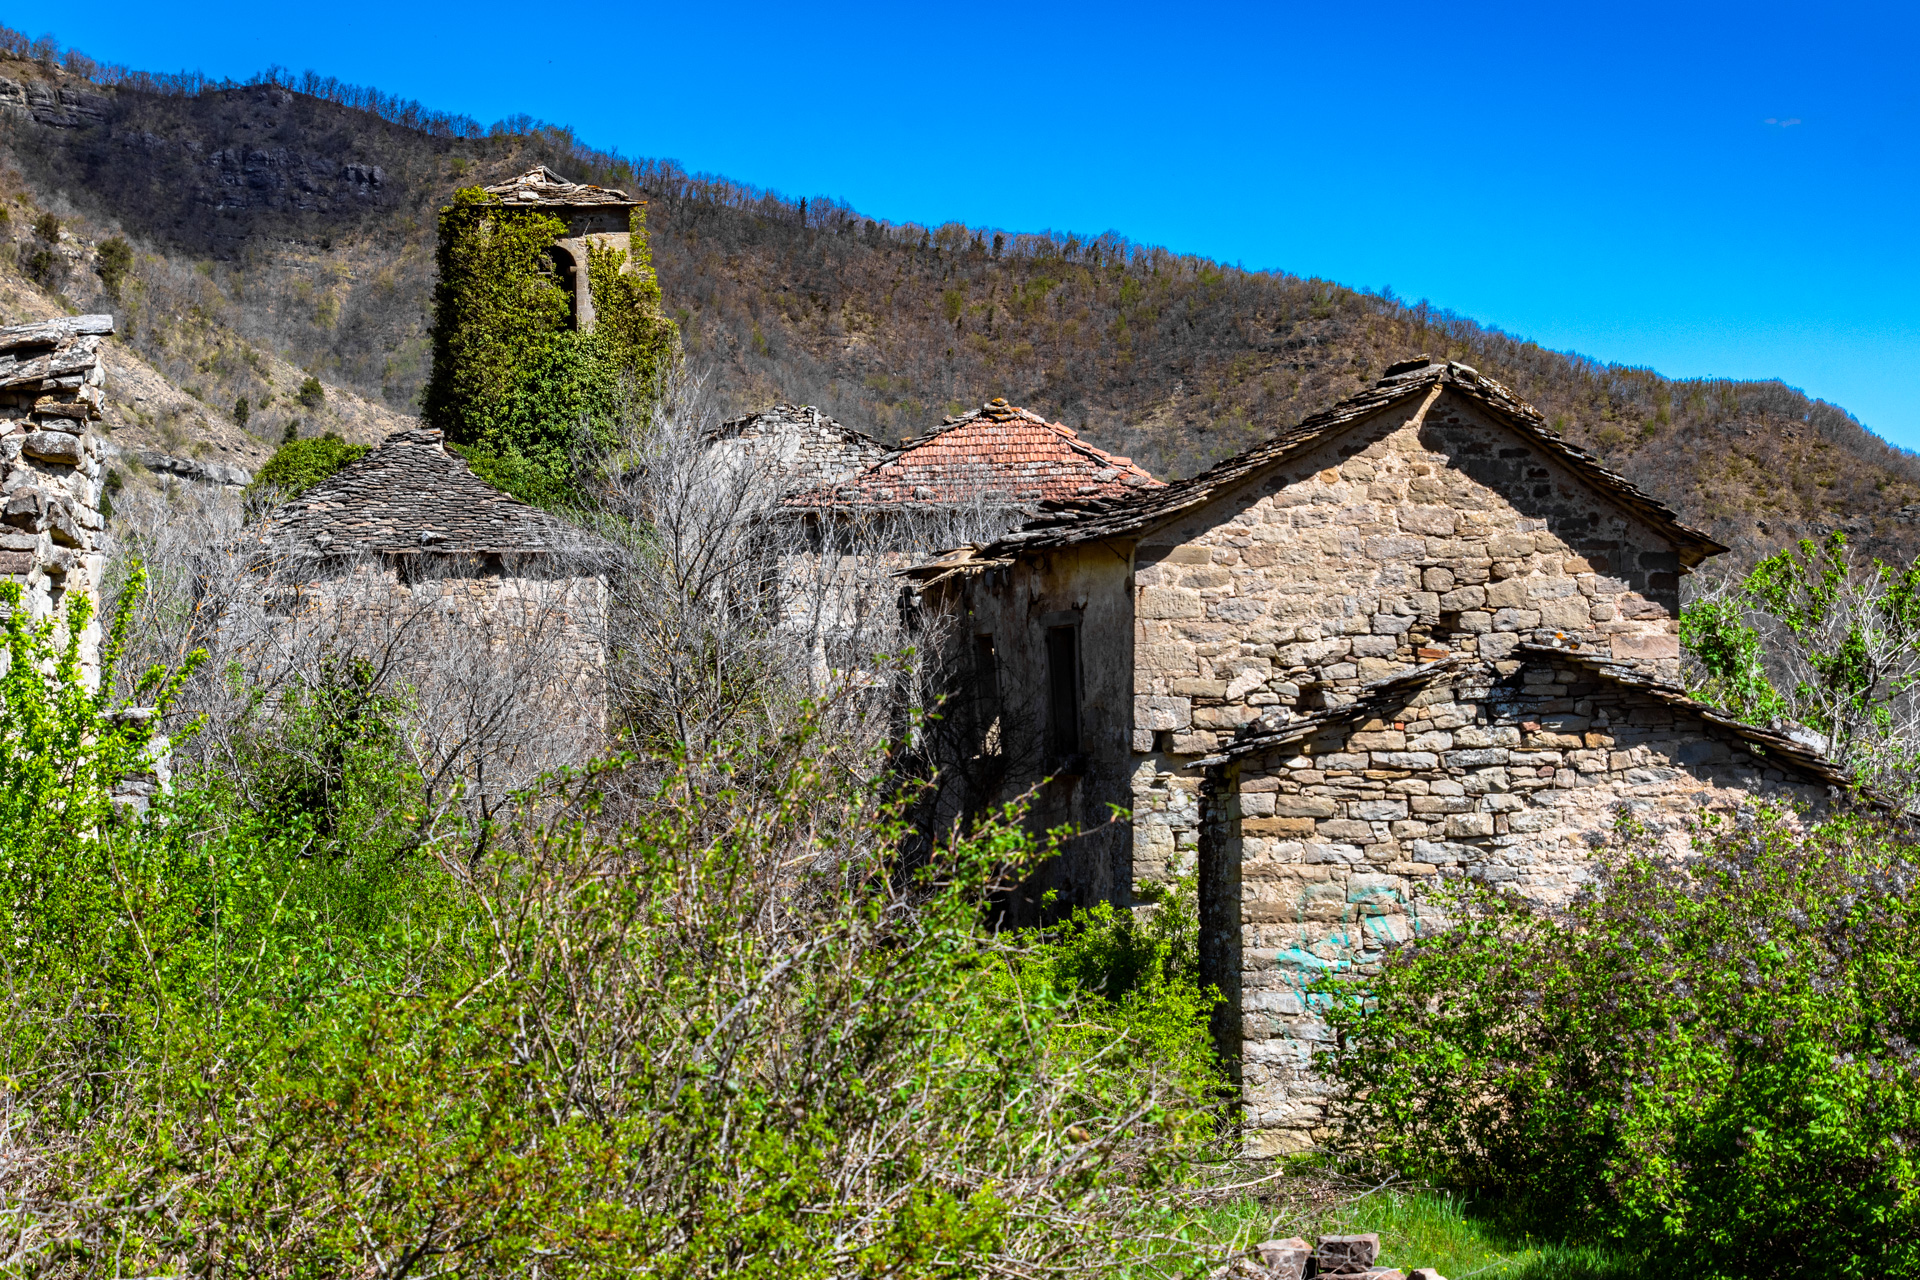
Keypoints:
pixel 407 547
pixel 975 476
pixel 998 454
pixel 796 446
pixel 1414 635
pixel 595 216
pixel 51 386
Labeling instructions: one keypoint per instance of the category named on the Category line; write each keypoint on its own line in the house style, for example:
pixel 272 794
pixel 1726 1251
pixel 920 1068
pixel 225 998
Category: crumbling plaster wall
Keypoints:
pixel 1084 587
pixel 1423 528
pixel 1316 856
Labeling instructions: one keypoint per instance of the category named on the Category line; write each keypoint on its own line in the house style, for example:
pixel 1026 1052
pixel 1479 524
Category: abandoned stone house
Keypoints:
pixel 1415 635
pixel 849 511
pixel 407 546
pixel 599 217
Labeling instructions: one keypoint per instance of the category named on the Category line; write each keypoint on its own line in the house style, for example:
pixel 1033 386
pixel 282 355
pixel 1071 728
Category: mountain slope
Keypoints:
pixel 275 224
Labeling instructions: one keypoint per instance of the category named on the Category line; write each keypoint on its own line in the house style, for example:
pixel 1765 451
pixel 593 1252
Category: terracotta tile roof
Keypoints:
pixel 1138 512
pixel 542 186
pixel 411 495
pixel 996 450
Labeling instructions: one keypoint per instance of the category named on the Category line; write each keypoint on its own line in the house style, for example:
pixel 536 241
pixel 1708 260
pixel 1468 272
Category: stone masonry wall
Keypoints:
pixel 1320 854
pixel 51 380
pixel 452 618
pixel 1410 534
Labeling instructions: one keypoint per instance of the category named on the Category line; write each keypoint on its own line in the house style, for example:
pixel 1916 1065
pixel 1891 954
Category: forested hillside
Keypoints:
pixel 296 219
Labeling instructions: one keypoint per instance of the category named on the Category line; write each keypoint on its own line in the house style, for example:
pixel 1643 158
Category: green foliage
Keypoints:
pixel 1809 636
pixel 512 383
pixel 62 748
pixel 297 465
pixel 1711 1059
pixel 47 227
pixel 1734 673
pixel 242 411
pixel 1144 966
pixel 112 261
pixel 725 1036
pixel 311 394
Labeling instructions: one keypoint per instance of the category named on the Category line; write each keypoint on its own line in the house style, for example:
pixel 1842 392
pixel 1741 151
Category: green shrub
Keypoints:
pixel 297 465
pixel 111 262
pixel 242 411
pixel 331 1031
pixel 311 394
pixel 1713 1060
pixel 1144 967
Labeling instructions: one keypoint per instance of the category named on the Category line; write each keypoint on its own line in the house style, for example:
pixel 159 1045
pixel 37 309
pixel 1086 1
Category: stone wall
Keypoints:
pixel 1318 854
pixel 1408 535
pixel 798 446
pixel 51 381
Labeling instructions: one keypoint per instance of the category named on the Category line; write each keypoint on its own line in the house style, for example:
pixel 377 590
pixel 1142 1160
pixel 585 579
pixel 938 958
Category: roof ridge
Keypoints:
pixel 1143 511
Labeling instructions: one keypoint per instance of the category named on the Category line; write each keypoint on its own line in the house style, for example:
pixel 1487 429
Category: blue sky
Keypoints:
pixel 1706 190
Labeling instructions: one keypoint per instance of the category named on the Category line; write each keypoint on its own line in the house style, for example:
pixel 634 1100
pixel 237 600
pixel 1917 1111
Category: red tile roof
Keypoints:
pixel 996 450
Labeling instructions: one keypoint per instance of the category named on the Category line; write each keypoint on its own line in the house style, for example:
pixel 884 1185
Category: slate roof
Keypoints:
pixel 411 495
pixel 1383 695
pixel 1137 513
pixel 542 186
pixel 994 450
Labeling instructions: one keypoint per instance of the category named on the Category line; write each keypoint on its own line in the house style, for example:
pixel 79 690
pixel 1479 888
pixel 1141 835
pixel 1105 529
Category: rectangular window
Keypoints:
pixel 1063 690
pixel 986 694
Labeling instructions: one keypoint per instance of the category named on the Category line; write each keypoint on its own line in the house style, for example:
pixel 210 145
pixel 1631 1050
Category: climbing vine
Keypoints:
pixel 513 385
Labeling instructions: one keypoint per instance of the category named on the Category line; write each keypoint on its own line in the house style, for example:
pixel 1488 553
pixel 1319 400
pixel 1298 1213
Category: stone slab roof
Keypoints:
pixel 411 495
pixel 1139 512
pixel 1381 696
pixel 541 186
pixel 49 350
pixel 994 450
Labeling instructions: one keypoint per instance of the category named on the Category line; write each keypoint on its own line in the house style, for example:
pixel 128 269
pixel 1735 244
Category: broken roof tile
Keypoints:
pixel 997 449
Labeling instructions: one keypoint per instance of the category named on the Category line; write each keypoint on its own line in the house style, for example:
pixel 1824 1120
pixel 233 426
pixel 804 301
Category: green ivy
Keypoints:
pixel 513 386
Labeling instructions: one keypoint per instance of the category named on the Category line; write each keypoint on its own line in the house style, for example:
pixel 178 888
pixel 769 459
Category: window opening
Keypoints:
pixel 1063 690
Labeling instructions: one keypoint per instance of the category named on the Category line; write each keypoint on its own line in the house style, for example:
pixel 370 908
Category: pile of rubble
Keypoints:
pixel 1354 1257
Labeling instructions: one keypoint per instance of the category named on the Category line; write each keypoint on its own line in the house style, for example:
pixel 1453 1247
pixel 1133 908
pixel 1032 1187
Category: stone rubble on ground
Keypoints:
pixel 1355 1256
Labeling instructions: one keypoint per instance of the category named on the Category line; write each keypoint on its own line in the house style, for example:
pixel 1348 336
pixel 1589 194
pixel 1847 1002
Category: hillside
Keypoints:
pixel 278 232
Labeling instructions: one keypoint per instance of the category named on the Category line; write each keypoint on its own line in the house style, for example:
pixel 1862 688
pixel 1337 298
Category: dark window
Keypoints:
pixel 986 693
pixel 1063 690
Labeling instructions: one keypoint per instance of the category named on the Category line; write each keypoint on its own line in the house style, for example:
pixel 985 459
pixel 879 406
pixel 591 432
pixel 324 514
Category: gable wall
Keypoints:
pixel 1319 855
pixel 1340 566
pixel 1086 586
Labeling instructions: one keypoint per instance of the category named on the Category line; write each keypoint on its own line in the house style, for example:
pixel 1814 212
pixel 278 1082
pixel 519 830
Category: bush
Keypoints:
pixel 1713 1060
pixel 311 394
pixel 242 411
pixel 297 465
pixel 724 1035
pixel 111 262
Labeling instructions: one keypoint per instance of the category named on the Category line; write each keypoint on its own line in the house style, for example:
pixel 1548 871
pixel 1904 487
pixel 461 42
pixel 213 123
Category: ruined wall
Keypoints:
pixel 50 389
pixel 1320 854
pixel 798 446
pixel 1015 605
pixel 1417 531
pixel 525 632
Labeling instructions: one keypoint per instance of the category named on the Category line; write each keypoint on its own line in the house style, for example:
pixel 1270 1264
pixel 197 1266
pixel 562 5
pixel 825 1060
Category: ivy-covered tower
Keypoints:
pixel 546 319
pixel 594 216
